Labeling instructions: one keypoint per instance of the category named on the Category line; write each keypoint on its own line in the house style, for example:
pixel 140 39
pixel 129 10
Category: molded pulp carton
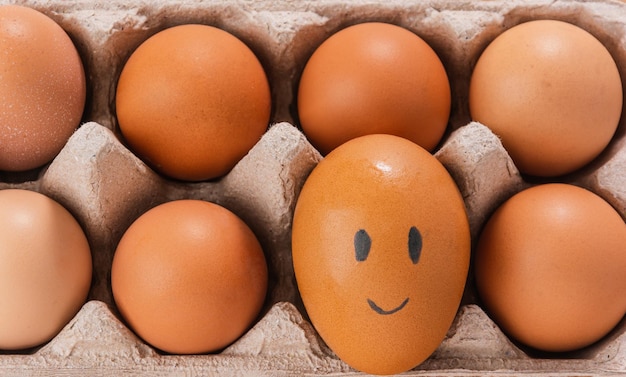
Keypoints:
pixel 106 187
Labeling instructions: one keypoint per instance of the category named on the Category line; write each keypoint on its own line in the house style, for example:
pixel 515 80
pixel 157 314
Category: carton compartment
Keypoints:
pixel 107 187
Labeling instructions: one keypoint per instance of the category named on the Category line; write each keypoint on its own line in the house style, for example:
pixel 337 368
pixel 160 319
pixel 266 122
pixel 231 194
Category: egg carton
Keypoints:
pixel 107 187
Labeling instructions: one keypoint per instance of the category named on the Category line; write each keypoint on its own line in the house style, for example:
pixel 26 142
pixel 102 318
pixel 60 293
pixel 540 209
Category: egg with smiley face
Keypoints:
pixel 381 250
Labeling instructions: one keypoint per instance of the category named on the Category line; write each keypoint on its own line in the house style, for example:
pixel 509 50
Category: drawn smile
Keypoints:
pixel 382 311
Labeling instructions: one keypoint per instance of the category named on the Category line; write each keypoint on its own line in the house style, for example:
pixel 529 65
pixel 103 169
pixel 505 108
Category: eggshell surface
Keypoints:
pixel 42 88
pixel 45 268
pixel 381 249
pixel 373 78
pixel 552 92
pixel 189 277
pixel 550 267
pixel 192 100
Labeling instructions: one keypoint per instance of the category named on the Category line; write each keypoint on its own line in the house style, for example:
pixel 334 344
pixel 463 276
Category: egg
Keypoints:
pixel 46 268
pixel 42 88
pixel 191 101
pixel 189 277
pixel 550 267
pixel 552 92
pixel 381 249
pixel 373 78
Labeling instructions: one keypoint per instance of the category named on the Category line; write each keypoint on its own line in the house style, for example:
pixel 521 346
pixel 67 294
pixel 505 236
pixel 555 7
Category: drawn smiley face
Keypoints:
pixel 380 243
pixel 362 247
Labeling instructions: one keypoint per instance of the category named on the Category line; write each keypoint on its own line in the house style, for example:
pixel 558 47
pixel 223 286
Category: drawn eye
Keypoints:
pixel 415 244
pixel 362 245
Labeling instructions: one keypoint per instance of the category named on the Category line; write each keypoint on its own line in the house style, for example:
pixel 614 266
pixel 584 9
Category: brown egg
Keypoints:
pixel 45 268
pixel 553 94
pixel 550 267
pixel 191 101
pixel 189 277
pixel 381 249
pixel 42 90
pixel 373 78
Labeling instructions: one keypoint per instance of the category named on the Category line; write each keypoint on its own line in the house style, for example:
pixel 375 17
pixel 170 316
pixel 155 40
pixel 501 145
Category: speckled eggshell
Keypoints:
pixel 42 88
pixel 381 249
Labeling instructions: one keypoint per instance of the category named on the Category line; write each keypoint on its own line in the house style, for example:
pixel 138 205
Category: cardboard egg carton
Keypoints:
pixel 107 187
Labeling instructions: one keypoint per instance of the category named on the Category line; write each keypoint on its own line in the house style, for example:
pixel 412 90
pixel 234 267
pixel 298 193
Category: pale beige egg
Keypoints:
pixel 46 268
